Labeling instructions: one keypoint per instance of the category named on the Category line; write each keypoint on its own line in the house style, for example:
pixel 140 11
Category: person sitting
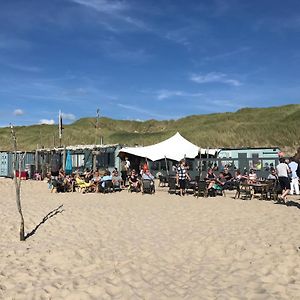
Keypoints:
pixel 68 183
pixel 210 179
pixel 103 184
pixel 147 176
pixel 116 180
pixel 144 167
pixel 220 183
pixel 96 180
pixel 252 177
pixel 88 175
pixel 37 176
pixel 134 183
pixel 228 184
pixel 272 175
pixel 60 183
pixel 239 177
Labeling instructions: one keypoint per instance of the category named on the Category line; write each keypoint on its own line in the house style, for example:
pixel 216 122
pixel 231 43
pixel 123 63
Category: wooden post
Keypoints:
pixel 36 161
pixel 64 159
pixel 17 182
pixel 94 154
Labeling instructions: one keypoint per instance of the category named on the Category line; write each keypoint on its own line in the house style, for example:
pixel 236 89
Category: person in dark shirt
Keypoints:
pixel 227 175
pixel 210 178
pixel 229 183
pixel 134 182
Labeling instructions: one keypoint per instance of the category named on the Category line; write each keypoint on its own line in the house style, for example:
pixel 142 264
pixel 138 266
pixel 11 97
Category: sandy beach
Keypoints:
pixel 133 246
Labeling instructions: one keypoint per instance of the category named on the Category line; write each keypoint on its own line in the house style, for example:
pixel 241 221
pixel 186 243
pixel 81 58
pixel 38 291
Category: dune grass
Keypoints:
pixel 248 127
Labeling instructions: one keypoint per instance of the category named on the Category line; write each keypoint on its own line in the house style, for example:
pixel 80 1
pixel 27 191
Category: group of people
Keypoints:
pixel 93 181
pixel 136 181
pixel 96 181
pixel 286 173
pixel 224 180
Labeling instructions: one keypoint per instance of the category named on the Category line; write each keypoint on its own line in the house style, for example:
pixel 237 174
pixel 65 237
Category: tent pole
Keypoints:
pixel 167 167
pixel 200 165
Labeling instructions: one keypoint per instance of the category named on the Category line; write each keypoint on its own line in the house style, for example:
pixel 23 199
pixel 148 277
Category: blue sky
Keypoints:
pixel 142 59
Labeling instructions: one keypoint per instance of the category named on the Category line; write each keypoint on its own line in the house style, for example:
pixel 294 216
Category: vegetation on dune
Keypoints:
pixel 248 127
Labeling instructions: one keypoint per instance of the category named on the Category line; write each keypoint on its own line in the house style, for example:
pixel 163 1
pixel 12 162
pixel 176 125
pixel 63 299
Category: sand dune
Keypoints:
pixel 133 246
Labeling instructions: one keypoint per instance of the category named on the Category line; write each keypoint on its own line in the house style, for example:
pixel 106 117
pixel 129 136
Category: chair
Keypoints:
pixel 244 191
pixel 82 186
pixel 273 189
pixel 162 180
pixel 106 186
pixel 201 189
pixel 134 187
pixel 173 188
pixel 117 187
pixel 191 187
pixel 148 186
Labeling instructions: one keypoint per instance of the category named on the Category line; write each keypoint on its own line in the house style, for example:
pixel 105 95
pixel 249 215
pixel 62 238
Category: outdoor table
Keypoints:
pixel 260 188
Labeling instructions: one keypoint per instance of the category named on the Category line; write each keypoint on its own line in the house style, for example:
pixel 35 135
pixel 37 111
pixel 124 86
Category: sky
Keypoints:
pixel 145 59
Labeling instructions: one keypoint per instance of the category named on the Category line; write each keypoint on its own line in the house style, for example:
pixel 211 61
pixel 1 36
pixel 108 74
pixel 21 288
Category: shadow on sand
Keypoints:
pixel 293 203
pixel 51 214
pixel 289 203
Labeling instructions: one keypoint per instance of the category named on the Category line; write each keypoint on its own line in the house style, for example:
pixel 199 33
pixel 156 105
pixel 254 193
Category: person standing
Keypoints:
pixel 123 173
pixel 125 170
pixel 127 165
pixel 182 176
pixel 294 177
pixel 283 171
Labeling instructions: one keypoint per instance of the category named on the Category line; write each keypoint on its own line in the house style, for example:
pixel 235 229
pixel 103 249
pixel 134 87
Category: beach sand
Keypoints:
pixel 133 246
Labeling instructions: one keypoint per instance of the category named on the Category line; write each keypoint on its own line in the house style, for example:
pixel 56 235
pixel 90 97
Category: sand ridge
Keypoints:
pixel 133 246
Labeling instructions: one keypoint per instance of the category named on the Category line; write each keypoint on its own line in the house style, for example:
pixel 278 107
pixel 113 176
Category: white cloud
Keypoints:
pixel 164 94
pixel 103 5
pixel 18 112
pixel 69 117
pixel 116 11
pixel 146 112
pixel 24 68
pixel 228 54
pixel 47 122
pixel 214 77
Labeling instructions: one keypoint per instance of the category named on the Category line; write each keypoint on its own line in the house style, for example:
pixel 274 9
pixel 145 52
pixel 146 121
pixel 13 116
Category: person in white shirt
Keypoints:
pixel 273 175
pixel 283 171
pixel 294 177
pixel 252 177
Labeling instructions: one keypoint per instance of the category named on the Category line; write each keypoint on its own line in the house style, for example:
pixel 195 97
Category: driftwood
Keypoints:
pixel 17 181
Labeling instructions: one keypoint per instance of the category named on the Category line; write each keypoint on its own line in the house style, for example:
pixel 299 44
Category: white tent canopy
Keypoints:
pixel 175 148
